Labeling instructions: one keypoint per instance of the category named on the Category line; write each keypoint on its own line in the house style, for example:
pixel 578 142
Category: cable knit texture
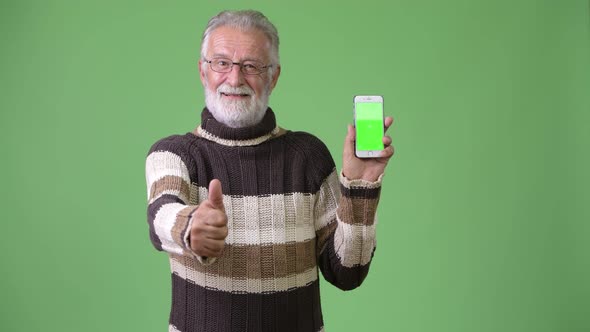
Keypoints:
pixel 290 215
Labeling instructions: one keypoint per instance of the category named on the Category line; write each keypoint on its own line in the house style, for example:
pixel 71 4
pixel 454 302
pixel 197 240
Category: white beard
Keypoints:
pixel 237 113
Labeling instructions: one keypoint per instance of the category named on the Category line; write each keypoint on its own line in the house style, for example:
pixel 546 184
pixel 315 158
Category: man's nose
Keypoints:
pixel 235 77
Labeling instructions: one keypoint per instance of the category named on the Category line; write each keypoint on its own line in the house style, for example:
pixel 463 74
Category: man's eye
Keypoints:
pixel 250 66
pixel 222 63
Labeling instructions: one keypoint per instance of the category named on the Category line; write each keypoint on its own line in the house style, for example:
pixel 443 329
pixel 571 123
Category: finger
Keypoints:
pixel 349 141
pixel 216 233
pixel 216 218
pixel 388 122
pixel 204 252
pixel 387 141
pixel 214 247
pixel 387 152
pixel 215 195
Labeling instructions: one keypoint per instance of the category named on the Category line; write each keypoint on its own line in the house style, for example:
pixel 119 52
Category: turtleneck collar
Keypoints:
pixel 216 131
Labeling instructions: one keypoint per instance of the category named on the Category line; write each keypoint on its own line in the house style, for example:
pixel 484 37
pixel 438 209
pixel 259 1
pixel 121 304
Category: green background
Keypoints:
pixel 484 215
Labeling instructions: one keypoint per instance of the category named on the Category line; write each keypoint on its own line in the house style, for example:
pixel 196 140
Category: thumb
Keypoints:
pixel 215 195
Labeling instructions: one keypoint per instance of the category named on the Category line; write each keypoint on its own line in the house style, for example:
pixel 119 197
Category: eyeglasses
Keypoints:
pixel 248 67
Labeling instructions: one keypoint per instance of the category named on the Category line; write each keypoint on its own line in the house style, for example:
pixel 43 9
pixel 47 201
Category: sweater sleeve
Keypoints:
pixel 345 229
pixel 169 210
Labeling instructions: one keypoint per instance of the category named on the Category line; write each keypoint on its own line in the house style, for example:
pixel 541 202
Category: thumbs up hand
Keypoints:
pixel 209 224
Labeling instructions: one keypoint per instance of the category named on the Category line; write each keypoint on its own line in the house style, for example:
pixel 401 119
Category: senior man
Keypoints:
pixel 247 211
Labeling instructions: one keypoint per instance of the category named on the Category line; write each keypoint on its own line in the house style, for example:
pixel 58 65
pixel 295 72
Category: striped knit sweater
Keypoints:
pixel 289 213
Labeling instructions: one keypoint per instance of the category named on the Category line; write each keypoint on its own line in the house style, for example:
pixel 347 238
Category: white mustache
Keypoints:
pixel 227 89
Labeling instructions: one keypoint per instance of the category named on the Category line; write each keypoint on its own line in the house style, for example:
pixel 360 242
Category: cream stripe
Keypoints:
pixel 354 244
pixel 327 201
pixel 245 285
pixel 163 223
pixel 274 219
pixel 255 141
pixel 162 163
pixel 360 183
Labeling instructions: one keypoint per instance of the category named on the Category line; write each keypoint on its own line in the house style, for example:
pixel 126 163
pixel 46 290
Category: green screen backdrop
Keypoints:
pixel 484 215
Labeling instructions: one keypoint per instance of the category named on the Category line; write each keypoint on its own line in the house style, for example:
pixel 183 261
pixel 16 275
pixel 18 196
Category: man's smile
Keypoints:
pixel 234 95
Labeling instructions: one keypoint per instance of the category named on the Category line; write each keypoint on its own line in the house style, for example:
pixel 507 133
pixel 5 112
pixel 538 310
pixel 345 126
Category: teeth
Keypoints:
pixel 234 94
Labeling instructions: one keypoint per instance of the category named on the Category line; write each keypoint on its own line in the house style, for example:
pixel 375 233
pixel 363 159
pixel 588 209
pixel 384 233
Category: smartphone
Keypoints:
pixel 370 126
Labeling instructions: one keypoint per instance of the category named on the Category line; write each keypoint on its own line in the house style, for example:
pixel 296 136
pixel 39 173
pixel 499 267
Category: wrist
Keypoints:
pixel 361 182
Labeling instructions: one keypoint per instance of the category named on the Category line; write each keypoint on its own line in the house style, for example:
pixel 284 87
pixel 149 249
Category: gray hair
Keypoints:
pixel 244 20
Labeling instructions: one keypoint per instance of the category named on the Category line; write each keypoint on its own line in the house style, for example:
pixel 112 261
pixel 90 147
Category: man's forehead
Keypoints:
pixel 233 40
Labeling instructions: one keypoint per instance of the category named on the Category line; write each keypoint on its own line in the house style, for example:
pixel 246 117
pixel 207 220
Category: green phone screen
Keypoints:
pixel 369 126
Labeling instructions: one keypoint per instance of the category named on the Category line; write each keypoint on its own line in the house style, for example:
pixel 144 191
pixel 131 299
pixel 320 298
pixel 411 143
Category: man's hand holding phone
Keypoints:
pixel 367 149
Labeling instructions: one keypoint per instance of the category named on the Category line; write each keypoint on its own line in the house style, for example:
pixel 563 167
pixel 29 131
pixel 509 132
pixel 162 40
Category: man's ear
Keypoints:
pixel 275 77
pixel 201 73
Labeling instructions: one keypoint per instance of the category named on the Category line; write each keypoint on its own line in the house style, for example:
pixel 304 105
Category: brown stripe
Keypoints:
pixel 360 192
pixel 357 211
pixel 179 228
pixel 258 262
pixel 170 182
